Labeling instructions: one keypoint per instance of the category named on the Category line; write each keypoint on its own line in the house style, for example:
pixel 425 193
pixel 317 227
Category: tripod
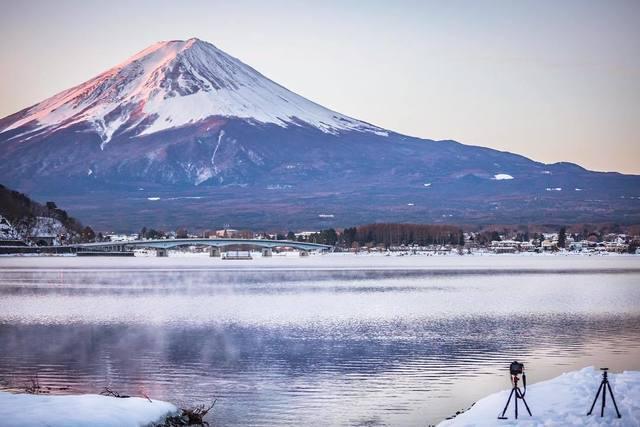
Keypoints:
pixel 604 385
pixel 518 394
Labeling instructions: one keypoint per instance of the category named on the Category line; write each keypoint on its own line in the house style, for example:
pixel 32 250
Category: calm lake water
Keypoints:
pixel 328 340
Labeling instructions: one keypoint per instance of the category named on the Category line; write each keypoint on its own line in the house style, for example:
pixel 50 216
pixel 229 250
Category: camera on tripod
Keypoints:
pixel 516 368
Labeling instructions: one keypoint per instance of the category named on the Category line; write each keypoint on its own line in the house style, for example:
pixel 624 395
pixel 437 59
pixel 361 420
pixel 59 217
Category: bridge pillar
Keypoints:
pixel 304 253
pixel 267 252
pixel 214 252
pixel 161 253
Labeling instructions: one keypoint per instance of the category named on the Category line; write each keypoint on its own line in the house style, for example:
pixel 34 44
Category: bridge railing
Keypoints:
pixel 171 243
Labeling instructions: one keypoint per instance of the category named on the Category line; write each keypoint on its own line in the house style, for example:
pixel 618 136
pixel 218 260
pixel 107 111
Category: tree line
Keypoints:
pixel 23 212
pixel 389 234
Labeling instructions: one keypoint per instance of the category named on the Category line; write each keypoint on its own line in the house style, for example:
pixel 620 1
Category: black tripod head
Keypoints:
pixel 516 368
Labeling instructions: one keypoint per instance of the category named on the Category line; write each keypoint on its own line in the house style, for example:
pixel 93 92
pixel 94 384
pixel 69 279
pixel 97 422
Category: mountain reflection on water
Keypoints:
pixel 309 348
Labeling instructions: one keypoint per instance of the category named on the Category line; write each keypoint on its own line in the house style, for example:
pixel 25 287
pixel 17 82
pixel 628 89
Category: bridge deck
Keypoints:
pixel 172 243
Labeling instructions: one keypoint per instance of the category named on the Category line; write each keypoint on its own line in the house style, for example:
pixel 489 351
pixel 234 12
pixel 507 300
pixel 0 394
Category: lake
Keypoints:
pixel 321 340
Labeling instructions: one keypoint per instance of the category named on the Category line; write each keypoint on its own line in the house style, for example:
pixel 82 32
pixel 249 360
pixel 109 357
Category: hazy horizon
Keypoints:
pixel 553 82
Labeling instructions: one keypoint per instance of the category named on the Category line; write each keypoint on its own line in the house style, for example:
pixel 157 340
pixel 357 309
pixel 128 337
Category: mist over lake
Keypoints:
pixel 333 340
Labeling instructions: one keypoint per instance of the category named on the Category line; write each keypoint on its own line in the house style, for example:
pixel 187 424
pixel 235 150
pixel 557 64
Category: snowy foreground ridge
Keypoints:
pixel 562 401
pixel 80 411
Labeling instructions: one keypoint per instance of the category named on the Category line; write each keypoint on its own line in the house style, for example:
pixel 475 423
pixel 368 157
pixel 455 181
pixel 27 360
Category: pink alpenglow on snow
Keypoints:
pixel 562 401
pixel 175 83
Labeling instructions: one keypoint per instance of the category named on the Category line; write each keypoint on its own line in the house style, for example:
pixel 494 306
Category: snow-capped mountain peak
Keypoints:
pixel 175 83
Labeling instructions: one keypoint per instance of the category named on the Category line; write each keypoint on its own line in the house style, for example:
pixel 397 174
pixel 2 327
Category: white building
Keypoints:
pixel 505 246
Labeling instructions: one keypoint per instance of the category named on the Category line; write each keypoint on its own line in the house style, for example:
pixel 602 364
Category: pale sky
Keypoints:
pixel 552 80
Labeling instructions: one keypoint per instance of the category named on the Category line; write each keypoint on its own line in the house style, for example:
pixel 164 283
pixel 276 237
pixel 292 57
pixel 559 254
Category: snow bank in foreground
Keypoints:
pixel 80 410
pixel 562 401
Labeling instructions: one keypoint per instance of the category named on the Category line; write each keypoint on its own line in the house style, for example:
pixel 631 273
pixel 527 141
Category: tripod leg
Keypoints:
pixel 595 400
pixel 516 402
pixel 525 403
pixel 507 405
pixel 614 400
pixel 604 399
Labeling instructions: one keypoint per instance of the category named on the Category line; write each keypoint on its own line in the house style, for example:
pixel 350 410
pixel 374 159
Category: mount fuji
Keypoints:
pixel 184 134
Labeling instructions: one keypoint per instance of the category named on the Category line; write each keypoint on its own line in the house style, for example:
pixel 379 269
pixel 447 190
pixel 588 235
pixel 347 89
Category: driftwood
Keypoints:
pixel 190 417
pixel 196 414
pixel 33 387
pixel 108 392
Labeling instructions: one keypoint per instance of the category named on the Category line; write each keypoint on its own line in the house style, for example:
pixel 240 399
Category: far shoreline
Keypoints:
pixel 463 264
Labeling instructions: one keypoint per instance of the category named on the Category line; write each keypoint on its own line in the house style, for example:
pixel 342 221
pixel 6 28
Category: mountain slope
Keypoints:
pixel 182 133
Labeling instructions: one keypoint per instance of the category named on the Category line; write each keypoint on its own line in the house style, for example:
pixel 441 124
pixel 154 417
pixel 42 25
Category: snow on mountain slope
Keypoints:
pixel 175 83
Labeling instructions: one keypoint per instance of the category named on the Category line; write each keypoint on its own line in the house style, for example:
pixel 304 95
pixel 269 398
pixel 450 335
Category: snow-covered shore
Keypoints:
pixel 21 410
pixel 562 401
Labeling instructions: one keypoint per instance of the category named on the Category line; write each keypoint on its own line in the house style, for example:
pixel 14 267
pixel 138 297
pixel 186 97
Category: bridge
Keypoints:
pixel 162 245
